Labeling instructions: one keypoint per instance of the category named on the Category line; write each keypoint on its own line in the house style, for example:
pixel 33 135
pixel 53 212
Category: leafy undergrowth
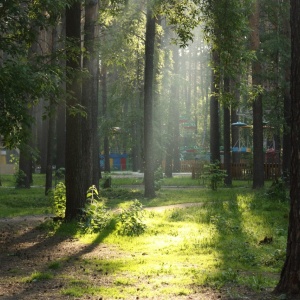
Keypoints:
pixel 231 247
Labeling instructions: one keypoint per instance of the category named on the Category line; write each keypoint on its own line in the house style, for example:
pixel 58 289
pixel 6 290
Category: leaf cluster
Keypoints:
pixel 95 216
pixel 130 221
pixel 26 75
pixel 213 174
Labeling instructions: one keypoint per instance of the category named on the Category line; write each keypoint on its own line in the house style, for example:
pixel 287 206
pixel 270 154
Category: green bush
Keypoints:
pixel 95 215
pixel 58 200
pixel 213 175
pixel 277 190
pixel 130 220
pixel 20 179
pixel 158 178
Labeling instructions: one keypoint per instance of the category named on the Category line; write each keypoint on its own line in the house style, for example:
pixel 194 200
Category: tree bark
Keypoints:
pixel 226 136
pixel 290 280
pixel 105 116
pixel 90 96
pixel 137 125
pixel 148 104
pixel 286 139
pixel 61 108
pixel 173 111
pixel 258 155
pixel 214 115
pixel 75 187
pixel 51 128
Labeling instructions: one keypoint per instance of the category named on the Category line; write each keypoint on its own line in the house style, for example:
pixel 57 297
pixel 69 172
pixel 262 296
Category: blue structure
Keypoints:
pixel 117 161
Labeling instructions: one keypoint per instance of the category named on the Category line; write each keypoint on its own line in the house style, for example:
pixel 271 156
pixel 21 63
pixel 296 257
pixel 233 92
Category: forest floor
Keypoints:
pixel 26 250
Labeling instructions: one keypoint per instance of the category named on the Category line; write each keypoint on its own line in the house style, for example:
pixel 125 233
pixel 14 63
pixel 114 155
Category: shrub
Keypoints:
pixel 20 179
pixel 95 215
pixel 58 200
pixel 130 220
pixel 277 190
pixel 60 175
pixel 158 178
pixel 214 175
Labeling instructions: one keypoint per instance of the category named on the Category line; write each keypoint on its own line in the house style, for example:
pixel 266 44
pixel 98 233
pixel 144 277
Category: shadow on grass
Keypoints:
pixel 40 263
pixel 250 235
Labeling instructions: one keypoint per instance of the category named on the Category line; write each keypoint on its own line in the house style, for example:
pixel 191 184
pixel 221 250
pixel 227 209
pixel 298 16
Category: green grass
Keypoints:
pixel 221 243
pixel 218 244
pixel 9 180
pixel 38 276
pixel 20 202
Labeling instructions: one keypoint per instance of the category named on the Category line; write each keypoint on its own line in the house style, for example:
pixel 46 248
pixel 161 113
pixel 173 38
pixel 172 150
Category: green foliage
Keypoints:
pixel 225 233
pixel 58 200
pixel 213 174
pixel 60 173
pixel 183 16
pixel 158 178
pixel 277 191
pixel 95 215
pixel 130 220
pixel 20 179
pixel 25 78
pixel 38 276
pixel 106 181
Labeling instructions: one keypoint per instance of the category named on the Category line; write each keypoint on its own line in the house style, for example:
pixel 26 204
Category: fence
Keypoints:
pixel 240 171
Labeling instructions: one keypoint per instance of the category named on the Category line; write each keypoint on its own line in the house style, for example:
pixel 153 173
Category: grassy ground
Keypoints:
pixel 234 244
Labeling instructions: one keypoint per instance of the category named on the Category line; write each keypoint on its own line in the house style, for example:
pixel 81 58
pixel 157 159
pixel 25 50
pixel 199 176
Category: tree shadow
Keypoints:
pixel 35 252
pixel 244 251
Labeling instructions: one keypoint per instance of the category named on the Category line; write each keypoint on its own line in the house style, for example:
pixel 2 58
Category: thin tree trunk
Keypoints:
pixel 227 148
pixel 105 116
pixel 286 140
pixel 148 104
pixel 258 155
pixel 214 115
pixel 90 94
pixel 51 128
pixel 61 109
pixel 173 127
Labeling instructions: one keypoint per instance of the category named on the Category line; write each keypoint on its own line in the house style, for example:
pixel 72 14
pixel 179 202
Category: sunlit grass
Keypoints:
pixel 222 242
pixel 38 276
pixel 217 244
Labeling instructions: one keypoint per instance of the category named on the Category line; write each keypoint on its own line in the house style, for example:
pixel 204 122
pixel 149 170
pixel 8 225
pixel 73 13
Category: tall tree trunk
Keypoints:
pixel 75 187
pixel 148 104
pixel 60 136
pixel 90 95
pixel 61 108
pixel 105 116
pixel 50 145
pixel 172 117
pixel 234 129
pixel 51 127
pixel 258 155
pixel 286 140
pixel 226 136
pixel 43 143
pixel 290 280
pixel 214 114
pixel 137 128
pixel 206 106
